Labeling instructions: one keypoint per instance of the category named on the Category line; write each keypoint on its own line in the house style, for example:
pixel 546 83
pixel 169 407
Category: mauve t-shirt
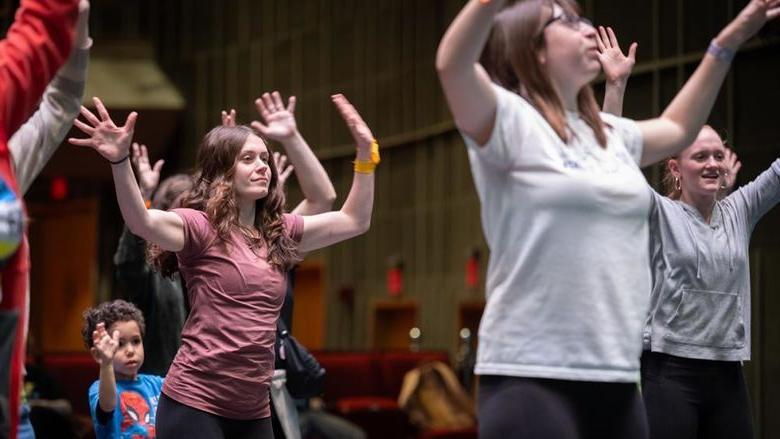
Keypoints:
pixel 226 359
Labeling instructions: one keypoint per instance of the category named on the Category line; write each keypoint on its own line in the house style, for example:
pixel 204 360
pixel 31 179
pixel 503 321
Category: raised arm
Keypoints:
pixel 36 45
pixel 165 229
pixel 104 347
pixel 466 85
pixel 36 141
pixel 132 271
pixel 279 125
pixel 354 218
pixel 617 68
pixel 680 123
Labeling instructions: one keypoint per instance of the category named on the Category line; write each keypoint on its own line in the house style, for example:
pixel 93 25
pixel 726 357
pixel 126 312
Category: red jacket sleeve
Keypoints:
pixel 36 45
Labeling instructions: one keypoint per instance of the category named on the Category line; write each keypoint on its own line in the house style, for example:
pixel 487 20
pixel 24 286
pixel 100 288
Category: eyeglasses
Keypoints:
pixel 571 21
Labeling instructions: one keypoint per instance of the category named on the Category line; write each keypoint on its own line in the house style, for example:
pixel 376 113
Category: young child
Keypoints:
pixel 123 403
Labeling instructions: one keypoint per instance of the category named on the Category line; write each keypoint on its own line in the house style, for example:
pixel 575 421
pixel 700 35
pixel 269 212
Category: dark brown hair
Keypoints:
pixel 511 60
pixel 110 313
pixel 213 193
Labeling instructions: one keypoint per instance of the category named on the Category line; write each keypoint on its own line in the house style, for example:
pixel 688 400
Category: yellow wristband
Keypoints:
pixel 375 152
pixel 364 167
pixel 368 166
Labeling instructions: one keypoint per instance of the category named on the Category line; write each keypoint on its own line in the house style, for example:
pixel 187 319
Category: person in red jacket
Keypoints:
pixel 36 45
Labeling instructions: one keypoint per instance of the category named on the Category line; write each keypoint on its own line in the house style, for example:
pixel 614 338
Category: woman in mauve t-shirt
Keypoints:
pixel 233 246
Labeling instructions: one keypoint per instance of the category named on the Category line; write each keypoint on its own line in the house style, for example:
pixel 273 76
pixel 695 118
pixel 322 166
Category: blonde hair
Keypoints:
pixel 671 184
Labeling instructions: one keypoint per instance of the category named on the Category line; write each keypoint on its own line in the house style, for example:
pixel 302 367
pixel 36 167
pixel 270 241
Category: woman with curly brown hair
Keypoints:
pixel 233 246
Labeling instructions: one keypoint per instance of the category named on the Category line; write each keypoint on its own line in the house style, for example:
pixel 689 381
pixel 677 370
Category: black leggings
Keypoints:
pixel 514 407
pixel 176 420
pixel 689 399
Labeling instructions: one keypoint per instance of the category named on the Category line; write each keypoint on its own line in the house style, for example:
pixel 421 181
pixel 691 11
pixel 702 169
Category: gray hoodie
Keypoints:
pixel 700 301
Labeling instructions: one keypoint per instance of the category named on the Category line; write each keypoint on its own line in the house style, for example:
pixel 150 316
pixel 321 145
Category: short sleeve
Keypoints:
pixel 293 224
pixel 512 116
pixel 198 232
pixel 628 132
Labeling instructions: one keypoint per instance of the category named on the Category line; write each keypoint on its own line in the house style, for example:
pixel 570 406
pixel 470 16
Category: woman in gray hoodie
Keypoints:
pixel 697 331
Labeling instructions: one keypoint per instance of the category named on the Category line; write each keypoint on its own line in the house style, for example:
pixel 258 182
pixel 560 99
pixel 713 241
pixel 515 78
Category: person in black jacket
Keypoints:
pixel 162 300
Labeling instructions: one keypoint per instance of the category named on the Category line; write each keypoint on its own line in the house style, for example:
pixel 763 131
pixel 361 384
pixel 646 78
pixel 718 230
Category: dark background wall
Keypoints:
pixel 381 54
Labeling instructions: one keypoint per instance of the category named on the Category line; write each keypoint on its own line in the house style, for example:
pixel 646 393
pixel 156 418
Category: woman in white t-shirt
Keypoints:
pixel 564 212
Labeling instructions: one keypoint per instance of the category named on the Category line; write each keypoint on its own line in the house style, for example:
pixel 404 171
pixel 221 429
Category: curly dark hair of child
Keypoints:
pixel 110 313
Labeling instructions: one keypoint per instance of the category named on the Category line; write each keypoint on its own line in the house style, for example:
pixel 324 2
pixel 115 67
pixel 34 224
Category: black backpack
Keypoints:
pixel 305 376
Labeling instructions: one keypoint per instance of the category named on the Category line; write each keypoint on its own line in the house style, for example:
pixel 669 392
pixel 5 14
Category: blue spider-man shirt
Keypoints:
pixel 135 413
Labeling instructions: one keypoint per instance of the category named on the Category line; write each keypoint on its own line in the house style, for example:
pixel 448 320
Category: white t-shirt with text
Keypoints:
pixel 568 279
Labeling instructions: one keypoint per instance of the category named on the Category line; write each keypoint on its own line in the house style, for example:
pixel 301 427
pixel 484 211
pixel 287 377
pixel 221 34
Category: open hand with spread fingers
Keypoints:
pixel 617 66
pixel 108 139
pixel 278 120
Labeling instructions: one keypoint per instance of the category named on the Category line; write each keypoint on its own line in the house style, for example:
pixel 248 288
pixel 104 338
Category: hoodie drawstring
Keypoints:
pixel 728 239
pixel 695 247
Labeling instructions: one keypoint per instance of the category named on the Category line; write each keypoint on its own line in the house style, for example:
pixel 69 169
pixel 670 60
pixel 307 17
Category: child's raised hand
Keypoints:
pixel 104 347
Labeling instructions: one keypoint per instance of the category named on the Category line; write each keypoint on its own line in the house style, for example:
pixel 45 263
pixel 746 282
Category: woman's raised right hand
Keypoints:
pixel 749 21
pixel 108 139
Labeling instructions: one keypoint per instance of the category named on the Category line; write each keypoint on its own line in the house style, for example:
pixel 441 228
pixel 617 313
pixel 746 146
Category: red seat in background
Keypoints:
pixel 363 386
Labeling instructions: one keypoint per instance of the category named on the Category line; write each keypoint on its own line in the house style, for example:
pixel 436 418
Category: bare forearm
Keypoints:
pixel 360 201
pixel 462 44
pixel 613 97
pixel 128 195
pixel 466 85
pixel 691 107
pixel 107 388
pixel 315 183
